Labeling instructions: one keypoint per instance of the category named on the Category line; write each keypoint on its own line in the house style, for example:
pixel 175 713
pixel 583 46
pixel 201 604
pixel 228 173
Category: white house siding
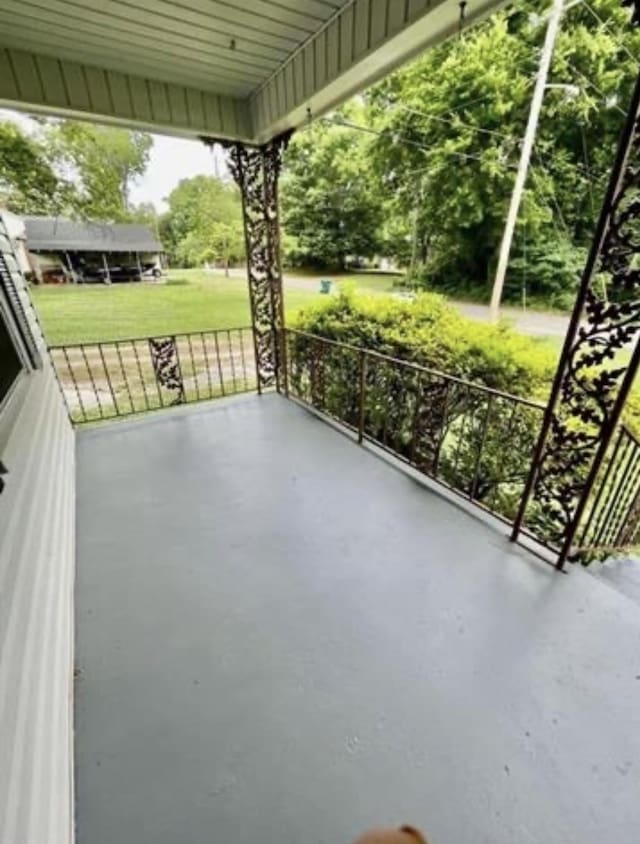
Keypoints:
pixel 37 554
pixel 362 42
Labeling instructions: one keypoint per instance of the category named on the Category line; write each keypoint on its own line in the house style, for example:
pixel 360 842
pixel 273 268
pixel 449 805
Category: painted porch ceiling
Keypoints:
pixel 218 46
pixel 235 69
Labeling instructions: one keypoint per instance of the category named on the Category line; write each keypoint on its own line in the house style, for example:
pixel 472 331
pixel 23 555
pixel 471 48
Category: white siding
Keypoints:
pixel 37 555
pixel 35 82
pixel 364 40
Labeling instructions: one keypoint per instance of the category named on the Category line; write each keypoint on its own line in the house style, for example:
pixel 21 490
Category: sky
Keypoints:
pixel 171 159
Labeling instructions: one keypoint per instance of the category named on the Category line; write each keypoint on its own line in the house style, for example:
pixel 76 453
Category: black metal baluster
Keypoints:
pixel 75 384
pixel 463 425
pixel 244 363
pixel 233 365
pixel 483 440
pixel 206 361
pixel 610 498
pixel 142 380
pixel 633 487
pixel 93 383
pixel 107 375
pixel 362 395
pixel 416 419
pixel 150 341
pixel 215 337
pixel 625 495
pixel 596 513
pixel 182 392
pixel 125 378
pixel 193 368
pixel 443 428
pixel 496 487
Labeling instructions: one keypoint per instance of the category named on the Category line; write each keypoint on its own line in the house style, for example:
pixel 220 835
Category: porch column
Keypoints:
pixel 256 170
pixel 585 405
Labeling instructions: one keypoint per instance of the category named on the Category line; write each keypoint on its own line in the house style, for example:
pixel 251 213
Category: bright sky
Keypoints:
pixel 171 159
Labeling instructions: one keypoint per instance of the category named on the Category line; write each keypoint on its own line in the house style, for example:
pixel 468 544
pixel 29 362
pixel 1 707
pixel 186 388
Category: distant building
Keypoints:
pixel 61 250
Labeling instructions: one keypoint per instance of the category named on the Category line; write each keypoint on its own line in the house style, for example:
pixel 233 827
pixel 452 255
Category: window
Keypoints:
pixel 10 363
pixel 18 348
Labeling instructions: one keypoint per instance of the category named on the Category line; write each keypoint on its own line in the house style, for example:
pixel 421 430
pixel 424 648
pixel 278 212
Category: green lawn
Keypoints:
pixel 190 300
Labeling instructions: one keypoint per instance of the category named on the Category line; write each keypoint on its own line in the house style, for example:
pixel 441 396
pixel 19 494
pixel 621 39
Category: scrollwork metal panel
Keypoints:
pixel 256 170
pixel 166 366
pixel 593 377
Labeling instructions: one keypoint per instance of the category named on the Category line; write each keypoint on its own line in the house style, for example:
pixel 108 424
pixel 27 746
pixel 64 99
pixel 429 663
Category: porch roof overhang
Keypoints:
pixel 235 70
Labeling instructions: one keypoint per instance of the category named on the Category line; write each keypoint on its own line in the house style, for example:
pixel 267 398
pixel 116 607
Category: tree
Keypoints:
pixel 329 202
pixel 451 124
pixel 204 222
pixel 101 161
pixel 428 180
pixel 225 243
pixel 28 183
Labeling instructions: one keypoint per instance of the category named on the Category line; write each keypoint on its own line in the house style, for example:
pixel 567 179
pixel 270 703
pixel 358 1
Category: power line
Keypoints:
pixel 605 25
pixel 403 140
pixel 591 84
pixel 587 165
pixel 550 192
pixel 451 122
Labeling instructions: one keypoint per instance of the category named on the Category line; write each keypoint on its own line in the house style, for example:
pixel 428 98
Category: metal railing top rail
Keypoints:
pixel 613 520
pixel 105 380
pixel 144 337
pixel 450 429
pixel 419 368
pixel 629 433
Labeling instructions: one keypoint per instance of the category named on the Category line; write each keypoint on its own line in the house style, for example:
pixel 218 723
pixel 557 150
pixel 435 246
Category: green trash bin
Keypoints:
pixel 325 285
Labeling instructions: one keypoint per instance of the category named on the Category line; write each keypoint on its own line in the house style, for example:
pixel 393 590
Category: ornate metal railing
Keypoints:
pixel 474 440
pixel 121 377
pixel 612 517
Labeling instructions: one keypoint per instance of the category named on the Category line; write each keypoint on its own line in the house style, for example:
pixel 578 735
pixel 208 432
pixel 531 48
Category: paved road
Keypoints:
pixel 534 323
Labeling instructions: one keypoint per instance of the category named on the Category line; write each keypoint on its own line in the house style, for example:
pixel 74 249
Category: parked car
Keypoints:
pixel 89 275
pixel 151 271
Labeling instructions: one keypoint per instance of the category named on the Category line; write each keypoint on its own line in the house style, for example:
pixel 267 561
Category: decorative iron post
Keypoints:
pixel 592 381
pixel 256 171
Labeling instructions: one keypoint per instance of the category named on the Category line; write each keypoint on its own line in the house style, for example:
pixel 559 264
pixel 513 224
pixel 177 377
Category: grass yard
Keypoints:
pixel 190 300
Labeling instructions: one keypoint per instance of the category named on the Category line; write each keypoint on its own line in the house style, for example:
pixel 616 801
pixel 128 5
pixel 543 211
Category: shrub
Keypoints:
pixel 477 443
pixel 430 332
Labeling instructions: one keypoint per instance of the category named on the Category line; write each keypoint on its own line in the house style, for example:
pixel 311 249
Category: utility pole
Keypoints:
pixel 553 28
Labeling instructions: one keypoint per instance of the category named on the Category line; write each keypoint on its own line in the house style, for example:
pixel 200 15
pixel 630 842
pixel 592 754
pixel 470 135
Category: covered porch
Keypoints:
pixel 282 637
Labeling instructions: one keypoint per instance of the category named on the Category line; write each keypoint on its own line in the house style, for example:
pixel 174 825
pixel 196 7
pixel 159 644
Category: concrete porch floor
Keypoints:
pixel 282 639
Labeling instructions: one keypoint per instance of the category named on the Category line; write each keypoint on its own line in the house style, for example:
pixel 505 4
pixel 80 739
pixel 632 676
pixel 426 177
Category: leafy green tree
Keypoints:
pixel 28 183
pixel 330 205
pixel 225 243
pixel 102 162
pixel 145 213
pixel 451 125
pixel 204 222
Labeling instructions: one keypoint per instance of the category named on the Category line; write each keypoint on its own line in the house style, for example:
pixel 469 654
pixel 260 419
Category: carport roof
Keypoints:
pixel 59 234
pixel 235 69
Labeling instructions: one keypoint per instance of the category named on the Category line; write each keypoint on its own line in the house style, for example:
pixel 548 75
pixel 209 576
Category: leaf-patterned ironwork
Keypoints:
pixel 256 171
pixel 593 377
pixel 166 366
